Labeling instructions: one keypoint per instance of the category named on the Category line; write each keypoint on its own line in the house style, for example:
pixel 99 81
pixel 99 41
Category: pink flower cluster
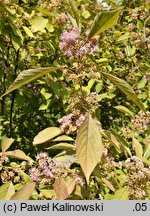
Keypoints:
pixel 71 123
pixel 72 45
pixel 45 171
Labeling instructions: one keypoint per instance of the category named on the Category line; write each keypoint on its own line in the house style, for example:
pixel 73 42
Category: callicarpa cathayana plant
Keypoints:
pixel 74 100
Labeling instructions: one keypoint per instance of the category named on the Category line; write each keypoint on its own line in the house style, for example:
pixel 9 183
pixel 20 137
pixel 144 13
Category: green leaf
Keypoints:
pixel 25 192
pixel 112 139
pixel 86 14
pixel 65 146
pixel 103 21
pixel 124 110
pixel 108 184
pixel 28 31
pixel 121 194
pixel 45 105
pixel 116 140
pixel 24 176
pixel 45 94
pixel 74 10
pixel 16 41
pixel 49 194
pixel 125 88
pixel 27 76
pixel 89 146
pixel 137 147
pixel 50 27
pixel 18 154
pixel 130 51
pixel 142 83
pixel 123 37
pixel 46 135
pixel 60 188
pixel 73 21
pixel 6 143
pixel 63 138
pixel 6 191
pixel 38 23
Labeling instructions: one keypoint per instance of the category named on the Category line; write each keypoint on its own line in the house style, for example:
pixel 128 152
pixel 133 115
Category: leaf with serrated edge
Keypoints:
pixel 46 135
pixel 60 188
pixel 6 143
pixel 6 191
pixel 27 76
pixel 125 88
pixel 89 146
pixel 103 21
pixel 25 192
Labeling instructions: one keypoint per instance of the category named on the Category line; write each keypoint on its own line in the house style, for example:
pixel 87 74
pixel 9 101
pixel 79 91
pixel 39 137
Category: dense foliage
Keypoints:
pixel 75 99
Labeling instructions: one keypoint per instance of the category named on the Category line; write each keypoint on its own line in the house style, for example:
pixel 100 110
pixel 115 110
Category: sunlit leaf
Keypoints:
pixel 121 194
pixel 16 41
pixel 25 192
pixel 124 110
pixel 137 147
pixel 103 21
pixel 18 154
pixel 70 183
pixel 6 143
pixel 60 188
pixel 74 10
pixel 38 23
pixel 65 146
pixel 49 194
pixel 46 135
pixel 89 146
pixel 6 191
pixel 108 184
pixel 28 31
pixel 63 138
pixel 27 76
pixel 125 88
pixel 115 139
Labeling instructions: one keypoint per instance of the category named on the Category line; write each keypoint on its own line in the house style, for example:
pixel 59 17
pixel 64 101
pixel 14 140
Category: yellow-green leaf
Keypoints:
pixel 38 23
pixel 18 154
pixel 74 10
pixel 27 76
pixel 125 88
pixel 28 31
pixel 6 191
pixel 124 110
pixel 46 135
pixel 103 21
pixel 63 138
pixel 89 146
pixel 65 146
pixel 137 147
pixel 25 192
pixel 108 184
pixel 6 143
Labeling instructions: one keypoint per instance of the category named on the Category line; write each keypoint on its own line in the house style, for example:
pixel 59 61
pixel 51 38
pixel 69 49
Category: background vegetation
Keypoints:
pixel 75 99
